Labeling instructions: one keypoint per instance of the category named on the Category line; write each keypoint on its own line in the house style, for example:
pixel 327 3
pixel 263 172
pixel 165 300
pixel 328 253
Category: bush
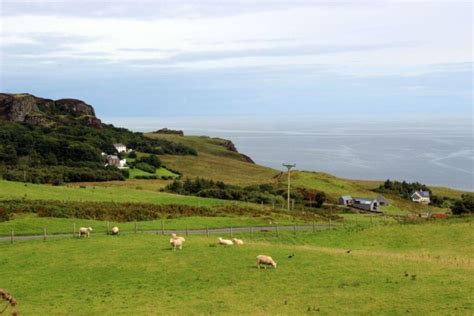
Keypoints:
pixel 464 206
pixel 145 177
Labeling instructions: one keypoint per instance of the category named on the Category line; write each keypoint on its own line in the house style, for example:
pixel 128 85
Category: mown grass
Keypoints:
pixel 162 172
pixel 416 269
pixel 12 190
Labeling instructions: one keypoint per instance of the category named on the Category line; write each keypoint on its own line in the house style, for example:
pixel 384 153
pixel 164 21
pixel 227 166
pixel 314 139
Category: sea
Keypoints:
pixel 438 151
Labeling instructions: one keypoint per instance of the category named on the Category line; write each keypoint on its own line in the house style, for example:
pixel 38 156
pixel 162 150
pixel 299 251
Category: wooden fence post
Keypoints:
pixel 207 231
pixel 136 227
pixel 74 230
pixel 251 231
pixel 44 233
pixel 162 227
pixel 107 228
pixel 314 227
pixel 187 230
pixel 12 236
pixel 294 229
pixel 230 231
pixel 277 232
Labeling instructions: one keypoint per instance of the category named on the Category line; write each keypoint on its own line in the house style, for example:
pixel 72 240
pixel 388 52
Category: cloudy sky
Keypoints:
pixel 241 57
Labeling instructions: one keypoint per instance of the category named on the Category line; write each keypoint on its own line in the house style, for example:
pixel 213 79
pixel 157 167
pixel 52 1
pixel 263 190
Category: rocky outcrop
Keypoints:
pixel 231 147
pixel 38 111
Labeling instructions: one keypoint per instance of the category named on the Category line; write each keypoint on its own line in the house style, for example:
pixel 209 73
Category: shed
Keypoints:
pixel 345 200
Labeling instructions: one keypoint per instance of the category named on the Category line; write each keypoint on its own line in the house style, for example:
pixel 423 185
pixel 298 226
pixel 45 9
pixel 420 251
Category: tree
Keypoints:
pixel 464 206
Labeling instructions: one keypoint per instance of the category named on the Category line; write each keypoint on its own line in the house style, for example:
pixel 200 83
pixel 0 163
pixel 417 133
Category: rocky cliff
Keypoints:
pixel 38 111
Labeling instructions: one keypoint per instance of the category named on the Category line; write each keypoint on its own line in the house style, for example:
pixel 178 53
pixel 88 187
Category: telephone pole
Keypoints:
pixel 289 166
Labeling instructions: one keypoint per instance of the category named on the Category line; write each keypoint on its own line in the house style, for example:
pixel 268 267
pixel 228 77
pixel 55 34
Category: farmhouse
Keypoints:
pixel 113 160
pixel 422 197
pixel 366 204
pixel 345 200
pixel 382 200
pixel 121 148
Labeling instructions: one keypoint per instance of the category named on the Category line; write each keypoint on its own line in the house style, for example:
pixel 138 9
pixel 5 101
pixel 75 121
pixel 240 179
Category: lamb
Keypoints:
pixel 115 230
pixel 85 231
pixel 176 243
pixel 237 241
pixel 225 242
pixel 266 261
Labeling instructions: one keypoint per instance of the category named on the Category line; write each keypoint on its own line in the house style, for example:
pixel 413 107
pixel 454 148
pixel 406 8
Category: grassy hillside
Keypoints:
pixel 415 269
pixel 17 190
pixel 214 161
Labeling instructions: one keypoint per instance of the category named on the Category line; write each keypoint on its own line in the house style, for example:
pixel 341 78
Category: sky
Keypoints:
pixel 211 58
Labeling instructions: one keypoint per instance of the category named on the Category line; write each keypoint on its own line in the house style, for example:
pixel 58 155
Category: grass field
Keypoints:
pixel 15 190
pixel 391 269
pixel 215 162
pixel 162 172
pixel 31 224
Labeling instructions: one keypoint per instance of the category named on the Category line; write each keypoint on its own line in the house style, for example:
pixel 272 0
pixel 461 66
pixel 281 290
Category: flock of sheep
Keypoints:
pixel 177 242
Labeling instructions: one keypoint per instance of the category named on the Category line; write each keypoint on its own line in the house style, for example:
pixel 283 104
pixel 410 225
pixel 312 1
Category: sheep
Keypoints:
pixel 266 261
pixel 176 243
pixel 174 236
pixel 115 230
pixel 237 241
pixel 85 231
pixel 225 242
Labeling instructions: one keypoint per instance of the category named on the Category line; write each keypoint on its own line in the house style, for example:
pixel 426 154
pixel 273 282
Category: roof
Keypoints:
pixel 425 194
pixel 119 145
pixel 364 200
pixel 346 197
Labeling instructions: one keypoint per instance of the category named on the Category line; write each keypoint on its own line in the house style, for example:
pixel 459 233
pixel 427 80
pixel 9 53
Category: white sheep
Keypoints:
pixel 266 261
pixel 237 241
pixel 176 243
pixel 85 231
pixel 225 242
pixel 115 230
pixel 174 236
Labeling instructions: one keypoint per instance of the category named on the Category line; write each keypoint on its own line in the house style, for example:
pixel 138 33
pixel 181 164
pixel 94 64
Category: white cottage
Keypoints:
pixel 121 148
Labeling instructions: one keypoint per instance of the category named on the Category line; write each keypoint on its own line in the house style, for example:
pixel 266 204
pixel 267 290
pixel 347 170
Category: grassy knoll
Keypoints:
pixel 393 269
pixel 12 190
pixel 31 224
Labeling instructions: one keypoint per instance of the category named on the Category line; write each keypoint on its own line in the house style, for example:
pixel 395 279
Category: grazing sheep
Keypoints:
pixel 176 243
pixel 266 261
pixel 237 241
pixel 174 236
pixel 225 242
pixel 115 230
pixel 85 231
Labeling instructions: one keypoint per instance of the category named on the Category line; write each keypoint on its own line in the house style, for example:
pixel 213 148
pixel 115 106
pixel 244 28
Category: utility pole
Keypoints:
pixel 289 166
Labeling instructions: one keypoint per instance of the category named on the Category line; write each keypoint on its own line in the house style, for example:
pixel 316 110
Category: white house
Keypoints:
pixel 422 197
pixel 113 160
pixel 121 148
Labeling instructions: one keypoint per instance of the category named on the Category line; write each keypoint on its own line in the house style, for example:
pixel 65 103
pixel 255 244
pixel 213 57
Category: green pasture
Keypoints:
pixel 16 190
pixel 418 269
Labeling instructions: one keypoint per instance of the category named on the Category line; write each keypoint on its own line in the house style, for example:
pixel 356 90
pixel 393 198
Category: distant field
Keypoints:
pixel 390 269
pixel 13 190
pixel 162 172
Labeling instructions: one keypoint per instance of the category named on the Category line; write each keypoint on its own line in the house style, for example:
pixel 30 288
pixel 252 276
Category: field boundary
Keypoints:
pixel 200 231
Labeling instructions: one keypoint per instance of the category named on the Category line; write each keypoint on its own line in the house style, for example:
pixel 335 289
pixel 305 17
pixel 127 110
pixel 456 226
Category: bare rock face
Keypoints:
pixel 38 111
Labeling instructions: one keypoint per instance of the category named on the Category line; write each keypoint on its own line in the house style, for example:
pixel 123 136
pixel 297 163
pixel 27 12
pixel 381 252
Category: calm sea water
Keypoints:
pixel 436 152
